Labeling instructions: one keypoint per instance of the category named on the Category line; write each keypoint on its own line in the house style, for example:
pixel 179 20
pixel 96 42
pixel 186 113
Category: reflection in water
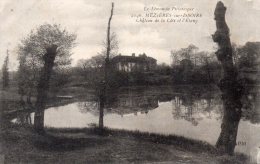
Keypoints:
pixel 125 104
pixel 193 114
pixel 24 118
pixel 88 106
pixel 194 110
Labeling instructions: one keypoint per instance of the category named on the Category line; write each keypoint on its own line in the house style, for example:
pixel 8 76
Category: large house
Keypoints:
pixel 141 63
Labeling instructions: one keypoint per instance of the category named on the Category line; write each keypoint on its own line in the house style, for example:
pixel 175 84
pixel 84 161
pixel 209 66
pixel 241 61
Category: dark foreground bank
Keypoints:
pixel 22 145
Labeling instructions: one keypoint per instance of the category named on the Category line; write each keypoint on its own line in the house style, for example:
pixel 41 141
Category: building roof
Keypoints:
pixel 133 58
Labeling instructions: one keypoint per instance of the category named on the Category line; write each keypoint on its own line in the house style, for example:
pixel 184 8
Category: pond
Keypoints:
pixel 192 113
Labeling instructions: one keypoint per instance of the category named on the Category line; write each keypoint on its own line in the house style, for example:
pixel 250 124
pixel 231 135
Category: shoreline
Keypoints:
pixel 94 145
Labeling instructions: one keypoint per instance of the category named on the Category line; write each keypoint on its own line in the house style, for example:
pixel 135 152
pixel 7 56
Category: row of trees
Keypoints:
pixel 189 65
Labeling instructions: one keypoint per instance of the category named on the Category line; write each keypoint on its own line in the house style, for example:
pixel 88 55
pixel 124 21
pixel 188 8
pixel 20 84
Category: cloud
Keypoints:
pixel 88 19
pixel 145 37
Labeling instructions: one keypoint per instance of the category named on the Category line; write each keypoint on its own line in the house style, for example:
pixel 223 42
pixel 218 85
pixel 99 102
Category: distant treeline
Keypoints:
pixel 189 66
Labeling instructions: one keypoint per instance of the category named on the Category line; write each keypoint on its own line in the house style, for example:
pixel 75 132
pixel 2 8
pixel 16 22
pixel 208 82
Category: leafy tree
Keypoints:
pixel 91 70
pixel 60 77
pixel 42 50
pixel 31 51
pixel 183 53
pixel 192 66
pixel 248 55
pixel 5 72
pixel 28 73
pixel 163 69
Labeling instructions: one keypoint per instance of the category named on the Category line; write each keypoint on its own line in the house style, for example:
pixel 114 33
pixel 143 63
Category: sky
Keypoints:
pixel 88 19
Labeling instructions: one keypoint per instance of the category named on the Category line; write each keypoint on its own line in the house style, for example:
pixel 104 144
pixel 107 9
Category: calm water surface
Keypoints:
pixel 192 114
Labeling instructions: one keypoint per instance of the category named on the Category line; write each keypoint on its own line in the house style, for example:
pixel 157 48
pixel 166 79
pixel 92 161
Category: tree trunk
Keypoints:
pixel 101 111
pixel 229 85
pixel 28 100
pixel 108 47
pixel 104 85
pixel 42 88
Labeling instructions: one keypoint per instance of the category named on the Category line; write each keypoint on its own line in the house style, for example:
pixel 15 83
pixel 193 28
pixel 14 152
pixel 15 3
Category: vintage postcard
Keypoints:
pixel 130 81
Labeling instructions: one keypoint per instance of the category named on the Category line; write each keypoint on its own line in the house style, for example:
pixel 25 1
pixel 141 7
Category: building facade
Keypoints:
pixel 141 63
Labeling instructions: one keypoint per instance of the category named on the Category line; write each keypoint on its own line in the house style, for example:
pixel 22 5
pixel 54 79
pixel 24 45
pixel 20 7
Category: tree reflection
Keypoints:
pixel 251 104
pixel 88 106
pixel 119 102
pixel 24 118
pixel 185 105
pixel 132 101
pixel 194 106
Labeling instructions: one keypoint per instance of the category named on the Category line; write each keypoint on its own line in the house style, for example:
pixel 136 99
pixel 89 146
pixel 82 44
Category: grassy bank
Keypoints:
pixel 22 145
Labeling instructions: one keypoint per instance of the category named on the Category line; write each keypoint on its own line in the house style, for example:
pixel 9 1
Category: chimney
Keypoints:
pixel 119 54
pixel 133 54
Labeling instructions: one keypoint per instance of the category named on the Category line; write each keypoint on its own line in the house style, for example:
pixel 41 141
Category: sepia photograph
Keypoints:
pixel 130 81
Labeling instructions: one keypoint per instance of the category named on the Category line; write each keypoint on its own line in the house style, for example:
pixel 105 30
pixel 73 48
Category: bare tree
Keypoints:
pixel 113 44
pixel 229 86
pixel 104 84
